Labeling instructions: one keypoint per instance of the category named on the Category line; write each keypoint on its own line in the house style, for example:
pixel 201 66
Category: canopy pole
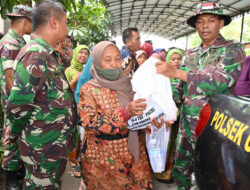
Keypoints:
pixel 186 42
pixel 242 26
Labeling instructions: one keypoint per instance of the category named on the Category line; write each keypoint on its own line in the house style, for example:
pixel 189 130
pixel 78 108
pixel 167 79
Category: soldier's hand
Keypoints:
pixel 165 69
pixel 136 107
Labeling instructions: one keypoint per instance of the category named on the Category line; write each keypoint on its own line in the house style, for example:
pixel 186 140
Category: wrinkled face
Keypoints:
pixel 62 29
pixel 134 43
pixel 111 58
pixel 208 27
pixel 28 26
pixel 83 56
pixel 175 60
pixel 141 59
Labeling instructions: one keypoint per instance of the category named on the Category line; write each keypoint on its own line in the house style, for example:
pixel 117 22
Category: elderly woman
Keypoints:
pixel 113 157
pixel 80 57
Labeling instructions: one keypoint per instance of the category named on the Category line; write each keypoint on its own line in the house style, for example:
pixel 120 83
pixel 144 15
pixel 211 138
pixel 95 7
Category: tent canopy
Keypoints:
pixel 166 18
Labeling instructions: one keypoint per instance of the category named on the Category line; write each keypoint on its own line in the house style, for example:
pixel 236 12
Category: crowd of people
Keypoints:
pixel 72 105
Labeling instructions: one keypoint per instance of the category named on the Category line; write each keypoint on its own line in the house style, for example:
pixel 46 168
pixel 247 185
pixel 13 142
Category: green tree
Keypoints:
pixel 90 22
pixel 7 5
pixel 194 39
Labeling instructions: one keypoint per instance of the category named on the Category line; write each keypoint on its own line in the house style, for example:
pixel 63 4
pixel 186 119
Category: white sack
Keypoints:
pixel 146 82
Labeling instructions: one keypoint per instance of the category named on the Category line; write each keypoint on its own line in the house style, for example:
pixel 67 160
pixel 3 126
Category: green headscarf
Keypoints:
pixel 171 52
pixel 74 63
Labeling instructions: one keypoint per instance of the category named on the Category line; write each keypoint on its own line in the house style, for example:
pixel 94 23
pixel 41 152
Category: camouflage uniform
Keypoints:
pixel 211 70
pixel 42 111
pixel 10 45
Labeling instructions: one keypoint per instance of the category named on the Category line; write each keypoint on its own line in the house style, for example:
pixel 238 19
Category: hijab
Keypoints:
pixel 74 63
pixel 171 52
pixel 139 53
pixel 85 77
pixel 122 87
pixel 148 48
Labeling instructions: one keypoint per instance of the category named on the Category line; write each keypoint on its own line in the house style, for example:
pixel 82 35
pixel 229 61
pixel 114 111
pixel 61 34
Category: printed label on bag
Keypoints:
pixel 152 110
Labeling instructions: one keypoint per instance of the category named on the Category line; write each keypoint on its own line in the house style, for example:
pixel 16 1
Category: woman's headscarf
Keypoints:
pixel 74 63
pixel 161 57
pixel 122 85
pixel 139 53
pixel 148 48
pixel 122 88
pixel 171 52
pixel 85 77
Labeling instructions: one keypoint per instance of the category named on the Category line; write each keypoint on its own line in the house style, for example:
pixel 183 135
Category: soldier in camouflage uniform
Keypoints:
pixel 41 105
pixel 10 45
pixel 131 38
pixel 211 68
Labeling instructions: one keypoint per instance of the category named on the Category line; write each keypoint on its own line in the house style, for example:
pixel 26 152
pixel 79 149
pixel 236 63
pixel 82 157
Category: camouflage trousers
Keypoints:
pixel 46 175
pixel 184 162
pixel 185 149
pixel 11 160
pixel 44 165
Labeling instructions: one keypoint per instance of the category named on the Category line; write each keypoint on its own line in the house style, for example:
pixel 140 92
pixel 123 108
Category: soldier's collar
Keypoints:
pixel 15 35
pixel 218 43
pixel 45 45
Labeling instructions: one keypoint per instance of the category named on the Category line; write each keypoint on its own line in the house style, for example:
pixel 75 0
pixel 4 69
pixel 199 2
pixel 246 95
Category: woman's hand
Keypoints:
pixel 136 107
pixel 154 122
pixel 157 124
pixel 169 123
pixel 73 83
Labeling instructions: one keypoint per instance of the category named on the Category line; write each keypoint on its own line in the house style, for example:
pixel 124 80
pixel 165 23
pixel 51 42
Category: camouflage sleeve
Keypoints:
pixel 29 77
pixel 8 55
pixel 96 119
pixel 220 77
pixel 177 90
pixel 178 86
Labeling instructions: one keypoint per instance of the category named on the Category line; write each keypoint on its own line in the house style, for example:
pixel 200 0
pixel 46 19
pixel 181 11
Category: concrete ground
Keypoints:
pixel 73 183
pixel 70 182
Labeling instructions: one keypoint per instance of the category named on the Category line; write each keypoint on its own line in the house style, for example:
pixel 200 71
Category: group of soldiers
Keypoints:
pixel 39 107
pixel 40 110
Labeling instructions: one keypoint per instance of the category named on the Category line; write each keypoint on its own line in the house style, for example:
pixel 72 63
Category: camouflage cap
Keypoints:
pixel 208 8
pixel 21 11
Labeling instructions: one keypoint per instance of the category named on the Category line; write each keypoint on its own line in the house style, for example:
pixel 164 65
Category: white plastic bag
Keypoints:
pixel 146 82
pixel 157 145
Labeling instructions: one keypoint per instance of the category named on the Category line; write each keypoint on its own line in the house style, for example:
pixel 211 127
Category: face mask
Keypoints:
pixel 109 74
